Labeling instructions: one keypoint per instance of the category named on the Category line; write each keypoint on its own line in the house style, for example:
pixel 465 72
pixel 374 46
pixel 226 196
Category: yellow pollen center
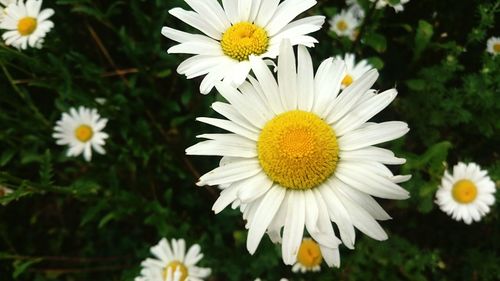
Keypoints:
pixel 84 133
pixel 347 80
pixel 26 26
pixel 496 48
pixel 464 191
pixel 298 150
pixel 309 254
pixel 174 265
pixel 342 25
pixel 244 39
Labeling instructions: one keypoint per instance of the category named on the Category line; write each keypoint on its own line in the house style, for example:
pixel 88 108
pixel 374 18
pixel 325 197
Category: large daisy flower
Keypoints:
pixel 467 194
pixel 299 154
pixel 398 7
pixel 493 45
pixel 354 70
pixel 345 24
pixel 173 263
pixel 81 130
pixel 309 257
pixel 232 33
pixel 26 24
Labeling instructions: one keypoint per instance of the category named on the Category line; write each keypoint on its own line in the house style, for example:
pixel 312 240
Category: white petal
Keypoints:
pixel 287 76
pixel 197 21
pixel 372 134
pixel 286 12
pixel 229 126
pixel 305 80
pixel 294 227
pixel 231 172
pixel 268 83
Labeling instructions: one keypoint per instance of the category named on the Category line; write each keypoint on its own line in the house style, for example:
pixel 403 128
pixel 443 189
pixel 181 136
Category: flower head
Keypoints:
pixel 26 24
pixel 467 193
pixel 234 32
pixel 398 7
pixel 354 70
pixel 81 130
pixel 493 45
pixel 173 263
pixel 300 155
pixel 345 24
pixel 309 257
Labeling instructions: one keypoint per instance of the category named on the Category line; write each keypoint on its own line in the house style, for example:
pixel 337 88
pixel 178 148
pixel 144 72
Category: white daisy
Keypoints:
pixel 309 257
pixel 356 9
pixel 493 45
pixel 173 263
pixel 26 24
pixel 345 24
pixel 232 33
pixel 398 7
pixel 82 131
pixel 301 154
pixel 467 193
pixel 354 70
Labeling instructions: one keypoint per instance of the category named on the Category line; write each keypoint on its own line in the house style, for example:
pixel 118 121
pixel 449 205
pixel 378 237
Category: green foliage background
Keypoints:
pixel 72 220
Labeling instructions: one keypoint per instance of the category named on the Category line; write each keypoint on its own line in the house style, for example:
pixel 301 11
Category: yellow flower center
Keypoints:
pixel 347 80
pixel 309 254
pixel 496 48
pixel 298 150
pixel 244 39
pixel 26 26
pixel 84 133
pixel 464 191
pixel 342 25
pixel 173 266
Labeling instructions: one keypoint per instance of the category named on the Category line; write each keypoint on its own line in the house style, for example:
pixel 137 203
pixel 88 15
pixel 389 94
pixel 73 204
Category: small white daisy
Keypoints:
pixel 173 263
pixel 467 193
pixel 493 45
pixel 356 9
pixel 300 156
pixel 345 24
pixel 354 70
pixel 82 131
pixel 234 32
pixel 309 257
pixel 397 7
pixel 26 24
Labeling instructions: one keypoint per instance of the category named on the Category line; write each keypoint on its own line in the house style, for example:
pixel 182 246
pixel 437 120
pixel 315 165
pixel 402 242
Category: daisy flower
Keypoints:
pixel 467 193
pixel 493 45
pixel 173 263
pixel 345 24
pixel 81 130
pixel 5 191
pixel 354 70
pixel 235 31
pixel 356 9
pixel 309 257
pixel 26 24
pixel 397 7
pixel 299 154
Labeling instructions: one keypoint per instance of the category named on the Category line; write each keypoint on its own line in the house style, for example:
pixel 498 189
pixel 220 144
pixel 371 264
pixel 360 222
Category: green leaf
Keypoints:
pixel 376 41
pixel 6 157
pixel 422 38
pixel 20 266
pixel 376 62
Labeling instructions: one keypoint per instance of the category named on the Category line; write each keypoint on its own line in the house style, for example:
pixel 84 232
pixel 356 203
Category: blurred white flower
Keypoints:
pixel 397 7
pixel 354 70
pixel 26 24
pixel 309 257
pixel 345 24
pixel 81 130
pixel 467 194
pixel 173 263
pixel 493 45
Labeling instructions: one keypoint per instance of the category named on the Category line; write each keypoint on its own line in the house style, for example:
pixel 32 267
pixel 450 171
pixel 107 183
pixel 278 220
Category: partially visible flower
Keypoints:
pixel 81 130
pixel 356 9
pixel 282 279
pixel 345 24
pixel 3 5
pixel 493 45
pixel 397 7
pixel 235 31
pixel 5 191
pixel 309 257
pixel 173 263
pixel 26 25
pixel 354 70
pixel 467 193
